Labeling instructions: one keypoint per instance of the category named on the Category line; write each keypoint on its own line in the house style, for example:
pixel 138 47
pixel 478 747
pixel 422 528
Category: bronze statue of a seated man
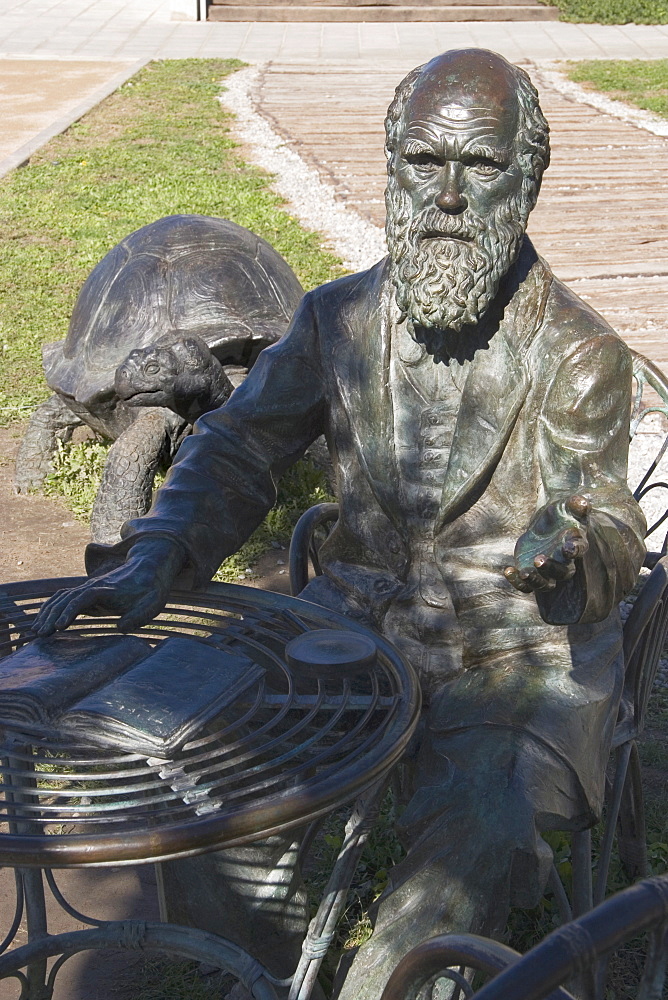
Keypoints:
pixel 477 416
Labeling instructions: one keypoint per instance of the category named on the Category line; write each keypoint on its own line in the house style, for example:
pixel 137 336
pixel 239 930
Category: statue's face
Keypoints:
pixel 456 160
pixel 457 206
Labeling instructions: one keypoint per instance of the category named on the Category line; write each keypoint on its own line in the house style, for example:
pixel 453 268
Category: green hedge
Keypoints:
pixel 613 11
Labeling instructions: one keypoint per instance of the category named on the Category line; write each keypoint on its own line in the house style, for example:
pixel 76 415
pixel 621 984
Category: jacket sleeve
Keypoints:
pixel 583 449
pixel 223 481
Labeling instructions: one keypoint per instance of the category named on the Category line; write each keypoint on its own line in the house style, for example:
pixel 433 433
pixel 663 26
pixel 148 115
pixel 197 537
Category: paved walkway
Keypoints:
pixel 133 29
pixel 601 219
pixel 39 98
pixel 118 35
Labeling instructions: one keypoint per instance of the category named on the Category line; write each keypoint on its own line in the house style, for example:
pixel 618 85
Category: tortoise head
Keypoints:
pixel 178 372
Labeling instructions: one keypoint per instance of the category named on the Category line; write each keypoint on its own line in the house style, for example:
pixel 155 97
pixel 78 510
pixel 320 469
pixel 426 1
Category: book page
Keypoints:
pixel 44 677
pixel 167 697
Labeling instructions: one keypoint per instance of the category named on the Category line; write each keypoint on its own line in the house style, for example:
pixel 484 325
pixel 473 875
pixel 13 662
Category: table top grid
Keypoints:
pixel 289 750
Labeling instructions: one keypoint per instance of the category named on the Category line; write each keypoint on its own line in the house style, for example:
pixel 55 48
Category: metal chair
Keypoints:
pixel 310 531
pixel 644 636
pixel 645 633
pixel 576 952
pixel 646 374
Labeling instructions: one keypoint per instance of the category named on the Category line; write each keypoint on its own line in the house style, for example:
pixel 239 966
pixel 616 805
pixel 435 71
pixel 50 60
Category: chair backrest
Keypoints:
pixel 647 375
pixel 304 543
pixel 577 949
pixel 644 637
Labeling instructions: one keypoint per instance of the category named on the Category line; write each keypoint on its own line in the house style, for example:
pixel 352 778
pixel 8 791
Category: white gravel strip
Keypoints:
pixel 359 243
pixel 551 77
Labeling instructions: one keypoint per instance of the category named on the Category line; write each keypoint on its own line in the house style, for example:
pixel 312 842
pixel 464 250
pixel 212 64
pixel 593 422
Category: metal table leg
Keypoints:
pixel 35 909
pixel 184 942
pixel 323 926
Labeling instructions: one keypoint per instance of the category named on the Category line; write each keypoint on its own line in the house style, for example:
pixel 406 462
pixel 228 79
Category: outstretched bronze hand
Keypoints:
pixel 547 553
pixel 137 589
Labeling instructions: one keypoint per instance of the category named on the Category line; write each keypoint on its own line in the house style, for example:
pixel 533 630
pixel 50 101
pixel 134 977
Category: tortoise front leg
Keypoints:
pixel 126 488
pixel 51 422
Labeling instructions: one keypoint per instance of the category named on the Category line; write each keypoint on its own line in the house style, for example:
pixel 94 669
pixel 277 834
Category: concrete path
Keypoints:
pixel 40 98
pixel 133 29
pixel 118 35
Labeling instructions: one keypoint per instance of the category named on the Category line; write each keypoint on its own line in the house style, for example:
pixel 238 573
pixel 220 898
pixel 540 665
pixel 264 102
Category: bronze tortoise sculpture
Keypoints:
pixel 181 281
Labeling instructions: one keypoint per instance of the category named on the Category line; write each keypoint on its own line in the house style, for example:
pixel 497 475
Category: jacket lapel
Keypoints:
pixel 361 368
pixel 493 395
pixel 492 398
pixel 495 389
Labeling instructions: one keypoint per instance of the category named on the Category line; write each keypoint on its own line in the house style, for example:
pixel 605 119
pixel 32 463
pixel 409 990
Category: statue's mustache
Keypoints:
pixel 434 223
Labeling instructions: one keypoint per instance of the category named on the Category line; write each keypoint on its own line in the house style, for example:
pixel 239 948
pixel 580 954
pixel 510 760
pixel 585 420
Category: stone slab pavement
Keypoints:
pixel 40 98
pixel 116 36
pixel 122 29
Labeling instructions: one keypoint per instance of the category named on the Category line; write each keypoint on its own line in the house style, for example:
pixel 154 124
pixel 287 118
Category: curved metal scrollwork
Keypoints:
pixel 18 913
pixel 186 943
pixel 63 903
pixel 577 950
pixel 647 374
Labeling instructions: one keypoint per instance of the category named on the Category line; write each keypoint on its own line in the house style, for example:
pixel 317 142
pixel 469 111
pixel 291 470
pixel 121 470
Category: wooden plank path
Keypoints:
pixel 602 216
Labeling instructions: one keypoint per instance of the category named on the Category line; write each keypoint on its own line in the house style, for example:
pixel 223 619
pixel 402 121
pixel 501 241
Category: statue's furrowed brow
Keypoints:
pixel 480 151
pixel 456 113
pixel 415 147
pixel 432 127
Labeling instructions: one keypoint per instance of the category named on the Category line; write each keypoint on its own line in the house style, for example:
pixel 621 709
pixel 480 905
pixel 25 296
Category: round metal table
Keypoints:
pixel 295 748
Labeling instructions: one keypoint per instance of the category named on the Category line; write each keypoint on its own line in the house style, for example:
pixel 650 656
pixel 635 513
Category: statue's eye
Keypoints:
pixel 422 162
pixel 152 368
pixel 487 168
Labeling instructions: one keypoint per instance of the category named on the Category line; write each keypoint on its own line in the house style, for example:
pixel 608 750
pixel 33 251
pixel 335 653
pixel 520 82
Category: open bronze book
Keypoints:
pixel 120 691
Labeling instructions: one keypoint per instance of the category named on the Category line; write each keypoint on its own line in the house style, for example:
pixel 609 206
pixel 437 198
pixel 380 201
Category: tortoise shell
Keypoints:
pixel 189 274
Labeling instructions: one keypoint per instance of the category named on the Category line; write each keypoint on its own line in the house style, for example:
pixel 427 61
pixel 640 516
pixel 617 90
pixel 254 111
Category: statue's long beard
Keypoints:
pixel 448 282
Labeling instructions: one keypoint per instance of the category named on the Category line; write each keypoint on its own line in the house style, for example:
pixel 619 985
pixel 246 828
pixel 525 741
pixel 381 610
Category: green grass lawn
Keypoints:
pixel 636 81
pixel 78 469
pixel 612 11
pixel 159 145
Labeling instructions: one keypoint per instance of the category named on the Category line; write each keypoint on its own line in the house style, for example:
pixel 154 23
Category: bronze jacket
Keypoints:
pixel 544 414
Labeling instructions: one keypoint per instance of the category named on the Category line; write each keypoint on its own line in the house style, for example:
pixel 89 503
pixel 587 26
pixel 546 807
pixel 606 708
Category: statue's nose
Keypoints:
pixel 450 197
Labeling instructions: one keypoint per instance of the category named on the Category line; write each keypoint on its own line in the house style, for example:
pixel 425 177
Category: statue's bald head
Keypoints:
pixel 467 145
pixel 475 85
